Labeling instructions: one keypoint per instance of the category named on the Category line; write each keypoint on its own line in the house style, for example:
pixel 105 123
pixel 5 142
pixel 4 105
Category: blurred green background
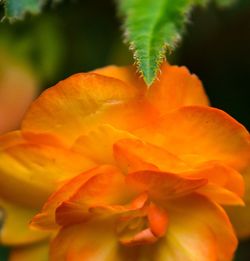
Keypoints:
pixel 76 36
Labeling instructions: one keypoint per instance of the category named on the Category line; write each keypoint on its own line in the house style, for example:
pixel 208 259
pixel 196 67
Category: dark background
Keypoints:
pixel 77 36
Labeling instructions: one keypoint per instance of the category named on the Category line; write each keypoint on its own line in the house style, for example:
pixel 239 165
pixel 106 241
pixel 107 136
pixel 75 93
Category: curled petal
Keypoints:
pixel 137 204
pixel 221 175
pixel 143 237
pixel 135 155
pixel 163 185
pixel 106 188
pixel 46 218
pixel 158 220
pixel 69 213
pixel 225 185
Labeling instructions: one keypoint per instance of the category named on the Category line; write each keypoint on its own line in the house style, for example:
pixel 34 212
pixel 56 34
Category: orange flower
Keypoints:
pixel 136 174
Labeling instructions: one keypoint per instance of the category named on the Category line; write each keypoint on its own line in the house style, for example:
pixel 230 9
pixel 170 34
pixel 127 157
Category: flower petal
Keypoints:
pixel 176 87
pixel 15 229
pixel 173 81
pixel 197 134
pixel 198 230
pixel 106 188
pixel 220 175
pixel 89 241
pixel 75 104
pixel 98 144
pixel 135 206
pixel 46 218
pixel 163 185
pixel 143 237
pixel 158 220
pixel 134 155
pixel 37 252
pixel 34 170
pixel 127 74
pixel 71 212
pixel 220 195
pixel 225 185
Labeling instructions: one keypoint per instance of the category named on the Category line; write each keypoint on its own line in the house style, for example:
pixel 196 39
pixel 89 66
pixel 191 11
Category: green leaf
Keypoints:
pixel 153 27
pixel 16 9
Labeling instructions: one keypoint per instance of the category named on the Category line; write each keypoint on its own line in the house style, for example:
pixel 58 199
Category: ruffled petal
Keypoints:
pixel 197 229
pixel 35 252
pixel 198 134
pixel 46 218
pixel 220 175
pixel 135 155
pixel 163 185
pixel 225 185
pixel 15 229
pixel 137 204
pixel 70 212
pixel 106 188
